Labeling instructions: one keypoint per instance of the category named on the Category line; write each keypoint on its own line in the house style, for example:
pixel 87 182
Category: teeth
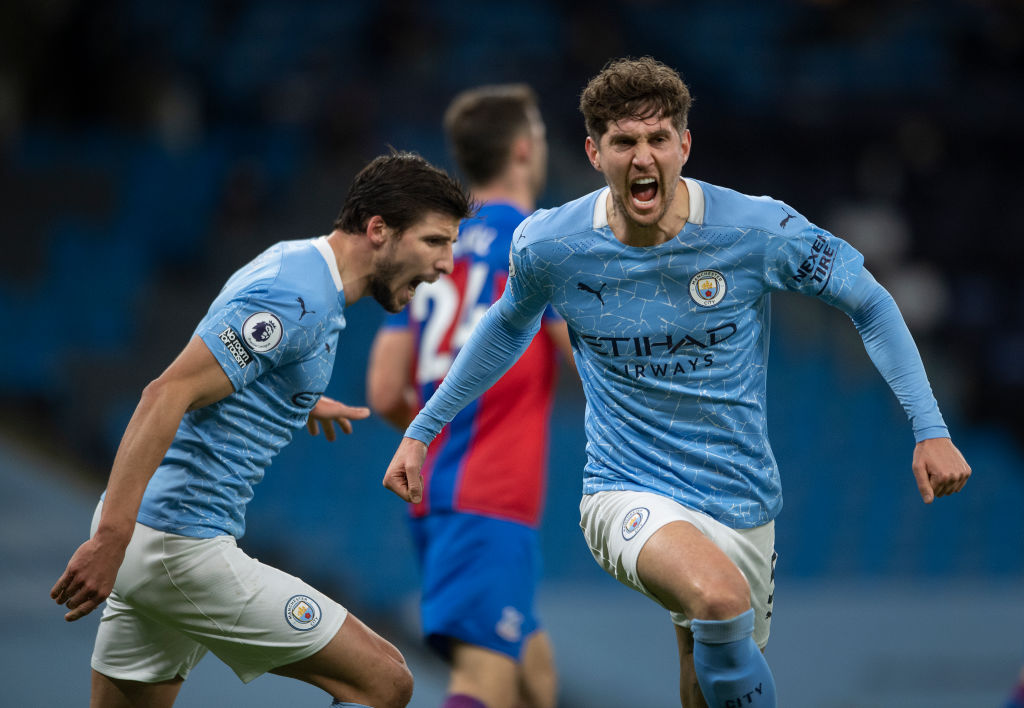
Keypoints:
pixel 643 182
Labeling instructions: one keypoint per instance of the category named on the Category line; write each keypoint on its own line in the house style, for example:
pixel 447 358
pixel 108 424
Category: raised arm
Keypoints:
pixel 938 466
pixel 195 379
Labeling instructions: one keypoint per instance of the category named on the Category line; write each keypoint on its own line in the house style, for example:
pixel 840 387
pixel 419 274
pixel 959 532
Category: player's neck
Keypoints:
pixel 510 191
pixel 665 229
pixel 355 263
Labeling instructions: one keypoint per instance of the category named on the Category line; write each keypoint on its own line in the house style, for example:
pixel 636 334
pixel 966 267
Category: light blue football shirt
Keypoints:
pixel 274 330
pixel 671 342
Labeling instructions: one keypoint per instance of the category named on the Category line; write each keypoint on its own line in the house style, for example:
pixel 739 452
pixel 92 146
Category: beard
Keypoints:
pixel 623 203
pixel 382 286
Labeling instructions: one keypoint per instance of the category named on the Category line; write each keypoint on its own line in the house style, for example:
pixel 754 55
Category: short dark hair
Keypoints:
pixel 481 123
pixel 634 88
pixel 401 188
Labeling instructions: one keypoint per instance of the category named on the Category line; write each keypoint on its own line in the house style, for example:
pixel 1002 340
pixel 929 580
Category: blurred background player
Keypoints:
pixel 204 433
pixel 476 527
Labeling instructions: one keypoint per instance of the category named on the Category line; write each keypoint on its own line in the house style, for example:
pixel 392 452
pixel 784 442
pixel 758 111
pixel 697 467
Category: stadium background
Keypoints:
pixel 148 149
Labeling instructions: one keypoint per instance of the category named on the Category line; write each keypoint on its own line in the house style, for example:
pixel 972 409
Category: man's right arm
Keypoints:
pixel 195 379
pixel 389 387
pixel 496 343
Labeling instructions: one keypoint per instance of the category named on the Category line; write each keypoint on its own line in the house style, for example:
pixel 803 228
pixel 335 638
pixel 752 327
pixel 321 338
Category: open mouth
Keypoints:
pixel 416 282
pixel 644 190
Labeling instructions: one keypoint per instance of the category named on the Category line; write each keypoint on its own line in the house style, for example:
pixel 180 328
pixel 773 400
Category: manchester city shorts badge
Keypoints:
pixel 302 613
pixel 634 521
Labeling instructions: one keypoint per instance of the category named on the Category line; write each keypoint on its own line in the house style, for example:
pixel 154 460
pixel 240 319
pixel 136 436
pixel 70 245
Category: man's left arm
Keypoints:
pixel 938 466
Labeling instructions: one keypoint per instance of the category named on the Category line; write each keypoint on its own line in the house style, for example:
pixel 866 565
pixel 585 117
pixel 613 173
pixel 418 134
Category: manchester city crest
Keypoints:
pixel 634 521
pixel 707 288
pixel 302 612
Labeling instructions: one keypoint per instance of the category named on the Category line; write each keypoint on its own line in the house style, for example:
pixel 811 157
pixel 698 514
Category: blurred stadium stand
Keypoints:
pixel 147 150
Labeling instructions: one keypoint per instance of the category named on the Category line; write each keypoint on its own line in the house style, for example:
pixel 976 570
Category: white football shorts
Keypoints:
pixel 176 597
pixel 617 524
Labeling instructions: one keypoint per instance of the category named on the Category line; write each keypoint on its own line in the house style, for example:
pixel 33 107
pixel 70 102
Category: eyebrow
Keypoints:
pixel 631 136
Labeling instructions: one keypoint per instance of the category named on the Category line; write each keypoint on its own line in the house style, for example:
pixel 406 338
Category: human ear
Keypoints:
pixel 593 153
pixel 685 145
pixel 377 231
pixel 522 147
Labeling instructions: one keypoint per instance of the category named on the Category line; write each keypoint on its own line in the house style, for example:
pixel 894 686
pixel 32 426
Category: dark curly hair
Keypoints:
pixel 634 88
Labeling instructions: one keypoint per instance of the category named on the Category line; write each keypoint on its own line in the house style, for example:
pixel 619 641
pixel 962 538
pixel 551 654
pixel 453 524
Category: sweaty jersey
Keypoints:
pixel 671 342
pixel 274 330
pixel 470 467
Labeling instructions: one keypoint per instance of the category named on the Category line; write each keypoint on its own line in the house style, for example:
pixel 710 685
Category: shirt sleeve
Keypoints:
pixel 892 349
pixel 496 343
pixel 811 261
pixel 250 334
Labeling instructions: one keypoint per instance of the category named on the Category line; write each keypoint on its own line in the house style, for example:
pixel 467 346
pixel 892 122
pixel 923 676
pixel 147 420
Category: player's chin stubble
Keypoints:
pixel 382 284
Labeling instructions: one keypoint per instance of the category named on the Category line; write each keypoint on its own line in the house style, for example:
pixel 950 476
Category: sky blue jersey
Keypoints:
pixel 671 342
pixel 274 330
